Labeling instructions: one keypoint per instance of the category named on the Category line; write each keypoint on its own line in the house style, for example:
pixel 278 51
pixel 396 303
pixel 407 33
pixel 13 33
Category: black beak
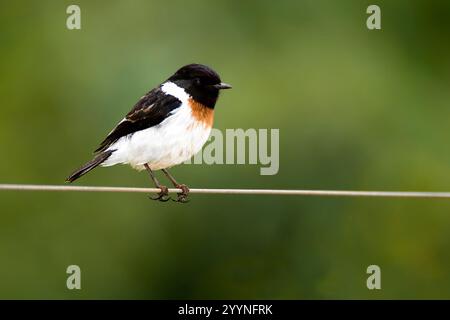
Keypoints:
pixel 222 86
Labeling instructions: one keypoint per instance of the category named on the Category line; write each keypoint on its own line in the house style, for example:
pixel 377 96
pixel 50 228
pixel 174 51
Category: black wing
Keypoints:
pixel 149 111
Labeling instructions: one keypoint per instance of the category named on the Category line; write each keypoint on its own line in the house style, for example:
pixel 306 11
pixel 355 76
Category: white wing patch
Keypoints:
pixel 176 91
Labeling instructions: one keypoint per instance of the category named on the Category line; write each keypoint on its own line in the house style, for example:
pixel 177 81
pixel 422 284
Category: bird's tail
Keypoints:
pixel 99 159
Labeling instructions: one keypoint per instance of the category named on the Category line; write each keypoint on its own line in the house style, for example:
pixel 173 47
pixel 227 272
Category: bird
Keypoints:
pixel 166 127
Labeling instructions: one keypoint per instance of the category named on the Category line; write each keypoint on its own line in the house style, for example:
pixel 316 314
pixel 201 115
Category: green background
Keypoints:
pixel 357 109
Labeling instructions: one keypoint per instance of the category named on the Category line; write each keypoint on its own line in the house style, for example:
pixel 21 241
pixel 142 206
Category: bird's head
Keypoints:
pixel 200 82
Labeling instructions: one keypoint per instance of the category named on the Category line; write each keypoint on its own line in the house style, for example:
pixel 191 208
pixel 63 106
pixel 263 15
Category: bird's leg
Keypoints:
pixel 183 195
pixel 164 194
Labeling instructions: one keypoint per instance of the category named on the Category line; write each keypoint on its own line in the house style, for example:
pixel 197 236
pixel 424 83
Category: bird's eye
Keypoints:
pixel 197 81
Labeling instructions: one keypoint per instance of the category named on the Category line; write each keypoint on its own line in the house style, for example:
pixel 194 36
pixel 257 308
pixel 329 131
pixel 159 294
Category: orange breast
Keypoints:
pixel 202 113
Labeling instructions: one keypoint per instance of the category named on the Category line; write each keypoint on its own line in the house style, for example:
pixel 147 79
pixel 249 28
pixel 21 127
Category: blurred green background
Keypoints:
pixel 357 109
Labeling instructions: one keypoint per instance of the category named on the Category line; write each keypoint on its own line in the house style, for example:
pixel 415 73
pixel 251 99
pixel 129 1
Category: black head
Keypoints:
pixel 200 82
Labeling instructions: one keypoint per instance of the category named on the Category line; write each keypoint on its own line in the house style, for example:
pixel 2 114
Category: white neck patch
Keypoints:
pixel 174 90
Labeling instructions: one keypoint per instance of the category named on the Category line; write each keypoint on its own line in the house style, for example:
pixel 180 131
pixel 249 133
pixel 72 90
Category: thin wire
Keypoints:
pixel 325 193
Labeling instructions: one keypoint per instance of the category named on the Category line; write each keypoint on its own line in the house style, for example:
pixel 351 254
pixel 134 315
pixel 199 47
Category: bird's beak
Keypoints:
pixel 222 86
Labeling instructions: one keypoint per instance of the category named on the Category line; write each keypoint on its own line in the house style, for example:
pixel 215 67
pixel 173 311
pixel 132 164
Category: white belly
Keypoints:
pixel 172 142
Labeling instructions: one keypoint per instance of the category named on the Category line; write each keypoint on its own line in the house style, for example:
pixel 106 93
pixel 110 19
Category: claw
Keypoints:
pixel 182 196
pixel 182 199
pixel 162 196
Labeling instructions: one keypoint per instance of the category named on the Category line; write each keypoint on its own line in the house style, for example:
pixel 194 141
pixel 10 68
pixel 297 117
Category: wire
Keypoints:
pixel 325 193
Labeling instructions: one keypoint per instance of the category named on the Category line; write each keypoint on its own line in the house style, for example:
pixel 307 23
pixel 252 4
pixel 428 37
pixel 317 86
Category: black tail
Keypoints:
pixel 99 159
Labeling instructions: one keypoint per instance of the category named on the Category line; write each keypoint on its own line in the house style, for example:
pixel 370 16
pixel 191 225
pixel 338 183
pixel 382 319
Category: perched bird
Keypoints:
pixel 166 127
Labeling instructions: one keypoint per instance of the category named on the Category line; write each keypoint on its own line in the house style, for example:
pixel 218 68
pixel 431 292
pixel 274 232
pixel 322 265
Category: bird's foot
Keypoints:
pixel 183 195
pixel 163 195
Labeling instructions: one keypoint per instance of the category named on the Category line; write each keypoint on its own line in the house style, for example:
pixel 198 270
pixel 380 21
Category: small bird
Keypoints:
pixel 166 127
